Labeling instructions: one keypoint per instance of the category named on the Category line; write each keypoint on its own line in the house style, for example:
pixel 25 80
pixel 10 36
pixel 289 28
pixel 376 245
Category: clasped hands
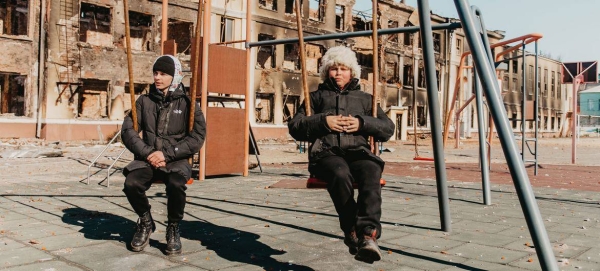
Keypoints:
pixel 157 159
pixel 345 124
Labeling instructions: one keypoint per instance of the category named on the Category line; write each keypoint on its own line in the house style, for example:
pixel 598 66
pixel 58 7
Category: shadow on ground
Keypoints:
pixel 235 245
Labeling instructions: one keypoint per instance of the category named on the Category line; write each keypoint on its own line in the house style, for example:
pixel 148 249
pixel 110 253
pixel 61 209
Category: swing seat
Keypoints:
pixel 313 182
pixel 190 181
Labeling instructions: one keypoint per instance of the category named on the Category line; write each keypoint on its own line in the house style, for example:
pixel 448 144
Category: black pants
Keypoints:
pixel 364 214
pixel 137 182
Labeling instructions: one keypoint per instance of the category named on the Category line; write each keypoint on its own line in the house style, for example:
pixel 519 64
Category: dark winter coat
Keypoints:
pixel 163 122
pixel 328 100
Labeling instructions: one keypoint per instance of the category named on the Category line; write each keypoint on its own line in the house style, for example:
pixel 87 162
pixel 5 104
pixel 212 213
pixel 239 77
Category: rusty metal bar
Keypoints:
pixel 302 59
pixel 375 40
pixel 247 105
pixel 229 42
pixel 204 73
pixel 130 65
pixel 195 73
pixel 164 25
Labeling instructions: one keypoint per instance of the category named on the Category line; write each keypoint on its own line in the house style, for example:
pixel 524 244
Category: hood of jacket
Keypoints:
pixel 330 84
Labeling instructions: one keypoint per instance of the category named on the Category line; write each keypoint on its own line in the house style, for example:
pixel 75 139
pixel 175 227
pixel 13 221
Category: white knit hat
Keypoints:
pixel 339 55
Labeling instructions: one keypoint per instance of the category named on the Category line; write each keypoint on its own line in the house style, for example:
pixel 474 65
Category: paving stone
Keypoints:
pixel 480 238
pixel 592 255
pixel 39 231
pixel 481 265
pixel 422 260
pixel 22 255
pixel 425 243
pixel 46 265
pixel 7 244
pixel 487 253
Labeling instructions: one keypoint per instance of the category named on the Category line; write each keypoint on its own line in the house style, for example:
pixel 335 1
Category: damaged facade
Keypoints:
pixel 78 87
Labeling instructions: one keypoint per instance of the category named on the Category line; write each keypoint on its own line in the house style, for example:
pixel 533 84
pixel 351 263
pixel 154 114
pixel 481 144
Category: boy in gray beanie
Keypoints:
pixel 338 130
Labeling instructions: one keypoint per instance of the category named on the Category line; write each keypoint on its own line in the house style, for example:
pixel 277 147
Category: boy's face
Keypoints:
pixel 162 80
pixel 341 74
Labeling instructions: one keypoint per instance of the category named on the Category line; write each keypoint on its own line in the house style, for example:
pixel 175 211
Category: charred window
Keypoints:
pixel 264 107
pixel 545 82
pixel 291 57
pixel 365 60
pixel 290 6
pixel 407 75
pixel 458 46
pixel 391 72
pixel 393 37
pixel 314 53
pixel 515 66
pixel 265 58
pixel 181 32
pixel 553 84
pixel 408 37
pixel 95 25
pixel 422 77
pixel 558 90
pixel 140 26
pixel 437 37
pixel 340 16
pixel 12 94
pixel 93 99
pixel 316 10
pixel 290 106
pixel 226 32
pixel 360 24
pixel 14 17
pixel 268 4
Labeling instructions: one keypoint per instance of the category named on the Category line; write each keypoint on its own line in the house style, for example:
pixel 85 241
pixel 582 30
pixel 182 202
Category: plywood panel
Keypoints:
pixel 226 70
pixel 224 141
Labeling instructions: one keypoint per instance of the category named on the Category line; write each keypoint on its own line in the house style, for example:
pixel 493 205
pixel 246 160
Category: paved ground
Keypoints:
pixel 50 219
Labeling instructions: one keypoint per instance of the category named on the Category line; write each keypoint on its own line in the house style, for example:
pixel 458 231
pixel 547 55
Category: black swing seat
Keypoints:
pixel 313 182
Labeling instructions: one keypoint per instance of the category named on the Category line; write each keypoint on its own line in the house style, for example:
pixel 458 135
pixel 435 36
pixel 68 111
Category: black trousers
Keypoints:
pixel 138 181
pixel 364 214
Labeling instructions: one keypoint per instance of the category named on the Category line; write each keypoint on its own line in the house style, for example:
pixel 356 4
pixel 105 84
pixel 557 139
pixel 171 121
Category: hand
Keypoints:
pixel 157 159
pixel 335 123
pixel 351 124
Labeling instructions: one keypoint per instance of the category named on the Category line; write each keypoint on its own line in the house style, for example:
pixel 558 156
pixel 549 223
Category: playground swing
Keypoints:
pixel 312 181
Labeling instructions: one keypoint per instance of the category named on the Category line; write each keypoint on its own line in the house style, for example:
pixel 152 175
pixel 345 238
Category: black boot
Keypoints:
pixel 173 241
pixel 351 241
pixel 145 226
pixel 368 250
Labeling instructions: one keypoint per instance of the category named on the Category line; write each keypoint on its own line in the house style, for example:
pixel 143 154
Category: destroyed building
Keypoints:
pixel 64 76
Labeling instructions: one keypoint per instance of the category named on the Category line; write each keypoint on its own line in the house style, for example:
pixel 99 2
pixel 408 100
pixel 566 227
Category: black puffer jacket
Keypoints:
pixel 328 100
pixel 164 125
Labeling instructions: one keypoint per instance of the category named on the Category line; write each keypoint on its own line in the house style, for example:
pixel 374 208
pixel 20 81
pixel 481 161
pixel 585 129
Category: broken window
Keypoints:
pixel 393 37
pixel 391 72
pixel 264 107
pixel 93 99
pixel 437 37
pixel 552 84
pixel 458 46
pixel 226 29
pixel 268 4
pixel 291 57
pixel 515 65
pixel 545 82
pixel 407 76
pixel 316 10
pixel 408 37
pixel 14 17
pixel 181 32
pixel 340 16
pixel 266 53
pixel 421 78
pixel 95 25
pixel 290 106
pixel 12 94
pixel 314 53
pixel 290 7
pixel 140 26
pixel 558 90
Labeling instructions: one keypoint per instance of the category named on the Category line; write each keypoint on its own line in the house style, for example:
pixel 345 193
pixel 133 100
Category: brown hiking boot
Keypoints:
pixel 368 250
pixel 351 241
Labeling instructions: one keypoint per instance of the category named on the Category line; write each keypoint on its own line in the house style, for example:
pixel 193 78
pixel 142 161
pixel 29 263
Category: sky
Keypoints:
pixel 570 28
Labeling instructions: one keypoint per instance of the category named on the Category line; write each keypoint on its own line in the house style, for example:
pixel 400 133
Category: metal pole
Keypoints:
pixel 302 59
pixel 523 103
pixel 130 66
pixel 164 25
pixel 345 35
pixel 195 68
pixel 434 111
pixel 204 86
pixel 574 120
pixel 485 170
pixel 247 99
pixel 535 112
pixel 516 166
pixel 375 40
